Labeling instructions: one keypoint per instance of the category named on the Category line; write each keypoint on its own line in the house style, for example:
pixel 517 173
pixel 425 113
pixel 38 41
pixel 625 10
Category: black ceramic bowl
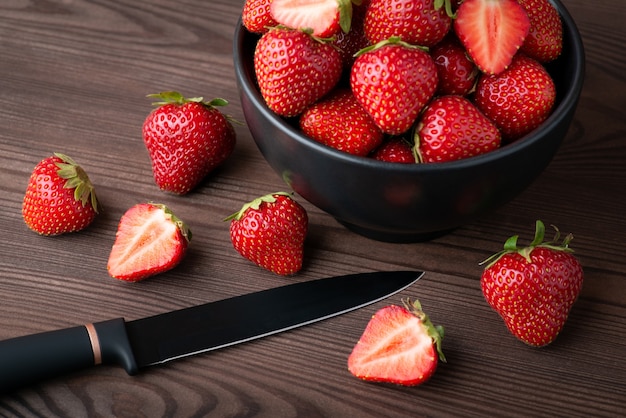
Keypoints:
pixel 415 202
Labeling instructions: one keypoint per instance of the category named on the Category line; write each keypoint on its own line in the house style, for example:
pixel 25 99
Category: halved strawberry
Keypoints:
pixel 150 239
pixel 399 345
pixel 492 31
pixel 324 17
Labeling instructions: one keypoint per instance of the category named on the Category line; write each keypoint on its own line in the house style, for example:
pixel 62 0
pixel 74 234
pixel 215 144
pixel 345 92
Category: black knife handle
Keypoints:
pixel 32 358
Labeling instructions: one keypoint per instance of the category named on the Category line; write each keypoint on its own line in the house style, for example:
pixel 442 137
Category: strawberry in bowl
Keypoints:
pixel 459 173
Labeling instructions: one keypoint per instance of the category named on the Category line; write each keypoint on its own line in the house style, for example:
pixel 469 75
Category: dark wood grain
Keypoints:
pixel 73 78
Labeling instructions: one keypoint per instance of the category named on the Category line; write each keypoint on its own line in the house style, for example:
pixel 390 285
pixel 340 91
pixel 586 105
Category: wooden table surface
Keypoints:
pixel 73 78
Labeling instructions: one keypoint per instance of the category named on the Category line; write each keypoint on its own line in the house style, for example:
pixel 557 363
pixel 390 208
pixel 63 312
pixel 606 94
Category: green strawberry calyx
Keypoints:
pixel 345 13
pixel 176 98
pixel 392 40
pixel 510 246
pixel 435 332
pixel 180 224
pixel 256 204
pixel 76 178
pixel 447 5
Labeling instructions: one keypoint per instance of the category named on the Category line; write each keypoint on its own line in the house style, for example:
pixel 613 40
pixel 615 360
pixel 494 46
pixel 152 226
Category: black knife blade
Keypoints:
pixel 172 335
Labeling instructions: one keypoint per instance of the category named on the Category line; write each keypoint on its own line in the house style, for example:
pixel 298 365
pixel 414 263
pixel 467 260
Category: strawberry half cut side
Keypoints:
pixel 324 18
pixel 400 345
pixel 150 239
pixel 492 31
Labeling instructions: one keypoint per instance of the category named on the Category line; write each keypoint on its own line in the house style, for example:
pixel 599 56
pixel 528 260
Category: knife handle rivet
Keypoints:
pixel 95 343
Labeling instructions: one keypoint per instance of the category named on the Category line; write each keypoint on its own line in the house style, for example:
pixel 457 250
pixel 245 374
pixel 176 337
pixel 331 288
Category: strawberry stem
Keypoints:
pixel 392 40
pixel 256 204
pixel 510 245
pixel 447 4
pixel 435 332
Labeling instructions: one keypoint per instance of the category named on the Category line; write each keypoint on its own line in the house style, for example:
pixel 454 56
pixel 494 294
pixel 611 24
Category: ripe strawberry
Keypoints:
pixel 517 100
pixel 352 42
pixel 323 17
pixel 186 140
pixel 452 128
pixel 294 70
pixel 256 16
pixel 533 288
pixel 399 345
pixel 270 232
pixel 150 239
pixel 395 150
pixel 457 73
pixel 340 121
pixel 417 22
pixel 59 197
pixel 393 81
pixel 545 37
pixel 492 31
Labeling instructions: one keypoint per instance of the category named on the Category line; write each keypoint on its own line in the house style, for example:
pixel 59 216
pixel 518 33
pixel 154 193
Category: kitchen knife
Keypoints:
pixel 169 336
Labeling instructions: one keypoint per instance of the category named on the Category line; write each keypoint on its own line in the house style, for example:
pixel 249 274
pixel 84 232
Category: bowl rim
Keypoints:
pixel 560 112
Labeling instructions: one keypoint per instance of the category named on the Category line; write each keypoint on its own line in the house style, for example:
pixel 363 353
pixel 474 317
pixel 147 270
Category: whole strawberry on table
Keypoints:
pixel 186 138
pixel 59 197
pixel 411 52
pixel 270 231
pixel 533 288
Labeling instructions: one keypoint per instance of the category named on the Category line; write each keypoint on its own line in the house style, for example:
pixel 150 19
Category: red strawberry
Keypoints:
pixel 186 140
pixel 353 41
pixel 270 232
pixel 256 16
pixel 340 121
pixel 393 81
pixel 399 345
pixel 324 18
pixel 417 22
pixel 294 70
pixel 395 150
pixel 492 31
pixel 150 239
pixel 518 99
pixel 533 288
pixel 457 73
pixel 545 38
pixel 59 197
pixel 452 128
